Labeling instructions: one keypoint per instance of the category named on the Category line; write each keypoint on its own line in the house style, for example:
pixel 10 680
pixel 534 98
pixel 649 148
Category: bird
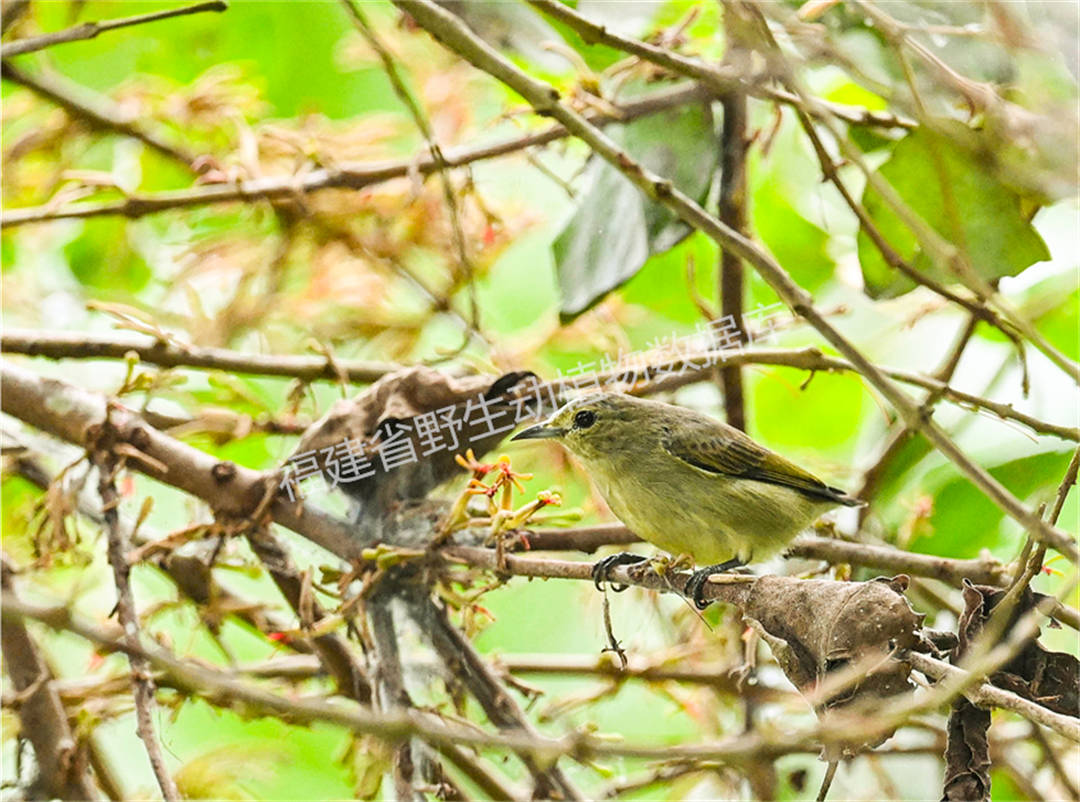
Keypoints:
pixel 687 483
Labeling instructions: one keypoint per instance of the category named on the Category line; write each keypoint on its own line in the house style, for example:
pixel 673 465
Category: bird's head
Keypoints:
pixel 593 425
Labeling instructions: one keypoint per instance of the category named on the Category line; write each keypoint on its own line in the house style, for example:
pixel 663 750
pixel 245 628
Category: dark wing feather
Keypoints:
pixel 714 447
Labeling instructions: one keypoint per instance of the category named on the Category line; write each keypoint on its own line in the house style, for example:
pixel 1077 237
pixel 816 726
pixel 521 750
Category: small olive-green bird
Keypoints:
pixel 687 483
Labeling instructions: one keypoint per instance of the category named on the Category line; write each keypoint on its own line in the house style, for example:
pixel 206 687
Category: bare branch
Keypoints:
pixel 101 454
pixel 66 345
pixel 62 770
pixel 732 210
pixel 355 176
pixel 170 354
pixel 97 111
pixel 991 696
pixel 88 30
pixel 984 571
pixel 67 412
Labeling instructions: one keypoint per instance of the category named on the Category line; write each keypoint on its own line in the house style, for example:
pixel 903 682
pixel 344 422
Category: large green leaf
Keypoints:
pixel 976 212
pixel 616 228
pixel 964 520
pixel 103 259
pixel 797 244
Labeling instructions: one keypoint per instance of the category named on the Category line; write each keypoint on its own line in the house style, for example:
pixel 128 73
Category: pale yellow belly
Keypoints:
pixel 713 521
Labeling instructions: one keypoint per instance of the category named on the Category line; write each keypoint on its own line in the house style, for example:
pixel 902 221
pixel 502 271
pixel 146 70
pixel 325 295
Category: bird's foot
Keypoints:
pixel 602 567
pixel 696 583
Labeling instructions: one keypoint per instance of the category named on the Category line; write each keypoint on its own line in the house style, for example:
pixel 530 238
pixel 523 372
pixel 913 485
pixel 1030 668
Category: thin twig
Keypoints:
pixel 88 30
pixel 99 112
pixel 678 372
pixel 346 176
pixel 141 680
pixel 990 695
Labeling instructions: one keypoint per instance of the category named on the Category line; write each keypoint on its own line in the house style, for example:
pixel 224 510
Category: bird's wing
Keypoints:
pixel 728 451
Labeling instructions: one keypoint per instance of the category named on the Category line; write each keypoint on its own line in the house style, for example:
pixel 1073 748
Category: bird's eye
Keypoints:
pixel 584 419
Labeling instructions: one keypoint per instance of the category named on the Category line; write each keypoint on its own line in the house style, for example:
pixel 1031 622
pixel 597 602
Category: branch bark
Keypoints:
pixel 62 764
pixel 988 695
pixel 64 345
pixel 97 112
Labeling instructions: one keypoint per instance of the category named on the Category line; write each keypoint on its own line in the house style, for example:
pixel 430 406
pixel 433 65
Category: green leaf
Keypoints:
pixel 102 258
pixel 616 228
pixel 976 212
pixel 797 244
pixel 964 520
pixel 819 418
pixel 662 285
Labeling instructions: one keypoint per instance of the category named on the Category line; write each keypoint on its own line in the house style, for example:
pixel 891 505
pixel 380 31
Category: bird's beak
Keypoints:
pixel 539 432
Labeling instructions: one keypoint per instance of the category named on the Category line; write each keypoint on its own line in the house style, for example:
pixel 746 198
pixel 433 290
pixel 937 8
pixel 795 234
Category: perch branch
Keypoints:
pixel 983 571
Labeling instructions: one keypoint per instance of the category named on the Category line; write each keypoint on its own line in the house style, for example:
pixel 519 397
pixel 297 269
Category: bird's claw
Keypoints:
pixel 695 585
pixel 602 567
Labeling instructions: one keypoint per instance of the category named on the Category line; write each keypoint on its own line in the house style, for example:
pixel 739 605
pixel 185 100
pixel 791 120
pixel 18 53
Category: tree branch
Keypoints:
pixel 67 345
pixel 721 80
pixel 987 695
pixel 221 688
pixel 983 571
pixel 171 354
pixel 356 176
pixel 88 30
pixel 66 411
pixel 101 454
pixel 98 112
pixel 62 769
